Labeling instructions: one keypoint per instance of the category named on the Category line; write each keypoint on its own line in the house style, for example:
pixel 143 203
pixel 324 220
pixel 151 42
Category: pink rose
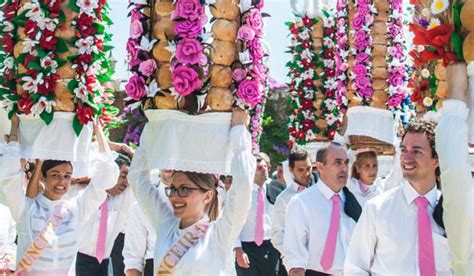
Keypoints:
pixel 136 29
pixel 246 33
pixel 395 80
pixel 135 87
pixel 239 74
pixel 362 57
pixel 187 28
pixel 188 9
pixel 366 92
pixel 148 67
pixel 136 15
pixel 249 92
pixel 363 10
pixel 255 21
pixel 185 80
pixel 358 22
pixel 360 35
pixel 256 49
pixel 360 70
pixel 361 45
pixel 394 100
pixel 132 49
pixel 189 51
pixel 258 72
pixel 362 82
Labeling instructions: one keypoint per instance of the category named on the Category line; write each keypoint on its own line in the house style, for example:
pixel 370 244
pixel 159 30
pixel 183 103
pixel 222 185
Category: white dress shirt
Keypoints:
pixel 457 184
pixel 140 238
pixel 372 190
pixel 386 237
pixel 118 210
pixel 212 254
pixel 32 214
pixel 248 230
pixel 307 221
pixel 7 237
pixel 278 216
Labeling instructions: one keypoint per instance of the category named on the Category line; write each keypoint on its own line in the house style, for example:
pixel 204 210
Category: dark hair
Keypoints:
pixel 297 154
pixel 49 164
pixel 359 158
pixel 207 182
pixel 428 128
pixel 263 156
pixel 322 153
pixel 122 160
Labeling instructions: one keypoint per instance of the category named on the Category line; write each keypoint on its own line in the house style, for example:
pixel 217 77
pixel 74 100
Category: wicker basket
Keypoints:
pixel 363 142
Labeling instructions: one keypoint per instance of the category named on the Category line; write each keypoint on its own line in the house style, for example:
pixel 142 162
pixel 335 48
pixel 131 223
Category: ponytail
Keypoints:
pixel 214 206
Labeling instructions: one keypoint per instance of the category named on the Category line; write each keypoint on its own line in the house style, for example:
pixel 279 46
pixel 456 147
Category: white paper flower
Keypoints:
pixel 330 104
pixel 49 62
pixel 298 22
pixel 152 89
pixel 427 101
pixel 7 104
pixel 434 22
pixel 420 48
pixel 439 6
pixel 30 84
pixel 9 62
pixel 7 26
pixel 307 54
pixel 29 47
pixel 86 45
pixel 47 23
pixel 42 105
pixel 34 13
pixel 304 35
pixel 308 74
pixel 245 57
pixel 330 118
pixel 87 6
pixel 81 92
pixel 425 73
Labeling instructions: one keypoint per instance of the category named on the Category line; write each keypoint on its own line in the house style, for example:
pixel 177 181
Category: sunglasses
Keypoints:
pixel 181 191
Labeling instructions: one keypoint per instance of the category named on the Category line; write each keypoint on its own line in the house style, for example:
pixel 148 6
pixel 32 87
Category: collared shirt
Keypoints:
pixel 372 190
pixel 279 211
pixel 386 237
pixel 248 231
pixel 212 254
pixel 118 210
pixel 307 221
pixel 7 237
pixel 32 214
pixel 457 184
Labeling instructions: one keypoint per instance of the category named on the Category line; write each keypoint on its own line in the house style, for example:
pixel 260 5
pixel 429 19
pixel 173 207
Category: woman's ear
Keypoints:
pixel 209 195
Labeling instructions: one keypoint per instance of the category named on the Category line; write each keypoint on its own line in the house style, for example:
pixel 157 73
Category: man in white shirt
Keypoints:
pixel 400 232
pixel 300 168
pixel 319 221
pixel 103 227
pixel 7 241
pixel 255 255
pixel 456 178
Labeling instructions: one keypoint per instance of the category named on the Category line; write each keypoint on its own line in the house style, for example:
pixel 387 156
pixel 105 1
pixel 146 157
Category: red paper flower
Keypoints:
pixel 7 43
pixel 31 28
pixel 47 40
pixel 84 25
pixel 307 21
pixel 25 103
pixel 85 114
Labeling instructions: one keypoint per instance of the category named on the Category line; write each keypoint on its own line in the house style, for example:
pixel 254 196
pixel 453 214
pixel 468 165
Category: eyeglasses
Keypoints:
pixel 181 191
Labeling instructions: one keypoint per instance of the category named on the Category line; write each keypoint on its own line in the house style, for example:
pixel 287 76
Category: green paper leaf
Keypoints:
pixel 40 51
pixel 73 84
pixel 47 117
pixel 107 19
pixel 61 45
pixel 73 6
pixel 76 125
pixel 108 47
pixel 20 59
pixel 457 42
pixel 457 7
pixel 34 64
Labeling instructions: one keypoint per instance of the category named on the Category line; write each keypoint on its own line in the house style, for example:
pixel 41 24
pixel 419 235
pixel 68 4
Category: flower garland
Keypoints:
pixel 93 93
pixel 361 24
pixel 423 82
pixel 341 54
pixel 140 62
pixel 302 89
pixel 251 79
pixel 7 61
pixel 396 56
pixel 333 106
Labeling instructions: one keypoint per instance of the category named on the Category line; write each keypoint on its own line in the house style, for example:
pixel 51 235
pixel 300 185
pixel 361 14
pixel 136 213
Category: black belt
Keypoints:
pixel 264 243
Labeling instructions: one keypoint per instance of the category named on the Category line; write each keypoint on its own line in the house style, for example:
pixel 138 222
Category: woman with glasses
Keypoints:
pixel 192 239
pixel 47 224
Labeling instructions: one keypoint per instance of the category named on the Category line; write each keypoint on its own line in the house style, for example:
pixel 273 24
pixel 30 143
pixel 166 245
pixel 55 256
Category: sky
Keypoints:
pixel 276 36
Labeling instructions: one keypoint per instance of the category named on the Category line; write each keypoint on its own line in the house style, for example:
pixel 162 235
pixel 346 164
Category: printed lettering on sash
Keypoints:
pixel 43 239
pixel 180 247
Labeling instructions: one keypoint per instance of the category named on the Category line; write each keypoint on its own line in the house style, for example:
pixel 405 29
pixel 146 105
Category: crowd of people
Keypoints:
pixel 326 217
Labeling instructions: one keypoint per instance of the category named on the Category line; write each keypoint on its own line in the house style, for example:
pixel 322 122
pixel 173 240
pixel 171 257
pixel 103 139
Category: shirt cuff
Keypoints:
pixel 134 263
pixel 293 263
pixel 455 108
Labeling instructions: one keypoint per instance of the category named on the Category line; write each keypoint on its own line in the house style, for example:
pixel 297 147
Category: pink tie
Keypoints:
pixel 102 236
pixel 300 188
pixel 363 188
pixel 330 247
pixel 425 239
pixel 259 219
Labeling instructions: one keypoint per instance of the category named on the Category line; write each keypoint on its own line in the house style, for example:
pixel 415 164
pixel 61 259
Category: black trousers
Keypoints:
pixel 116 255
pixel 263 259
pixel 314 273
pixel 148 267
pixel 281 268
pixel 87 266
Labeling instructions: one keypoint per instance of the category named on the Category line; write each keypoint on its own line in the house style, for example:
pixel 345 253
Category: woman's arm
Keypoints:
pixel 34 187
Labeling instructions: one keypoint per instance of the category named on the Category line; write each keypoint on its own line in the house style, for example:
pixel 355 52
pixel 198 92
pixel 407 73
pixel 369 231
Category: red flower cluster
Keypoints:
pixel 84 25
pixel 84 113
pixel 439 38
pixel 25 103
pixel 47 40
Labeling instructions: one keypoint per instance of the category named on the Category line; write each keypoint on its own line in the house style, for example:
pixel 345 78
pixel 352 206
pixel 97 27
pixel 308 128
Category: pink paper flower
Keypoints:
pixel 189 51
pixel 185 80
pixel 148 67
pixel 249 92
pixel 239 74
pixel 255 21
pixel 135 87
pixel 366 92
pixel 187 28
pixel 136 29
pixel 245 33
pixel 360 70
pixel 256 48
pixel 188 9
pixel 394 100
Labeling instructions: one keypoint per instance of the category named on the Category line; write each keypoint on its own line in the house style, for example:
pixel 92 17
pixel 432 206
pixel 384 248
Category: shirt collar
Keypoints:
pixel 327 192
pixel 255 187
pixel 411 194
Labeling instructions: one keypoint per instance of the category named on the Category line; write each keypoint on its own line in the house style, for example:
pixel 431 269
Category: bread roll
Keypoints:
pixel 379 28
pixel 220 99
pixel 225 10
pixel 225 30
pixel 223 52
pixel 164 8
pixel 381 5
pixel 67 32
pixel 379 61
pixel 379 96
pixel 379 50
pixel 380 73
pixel 468 47
pixel 160 53
pixel 66 71
pixel 439 104
pixel 165 80
pixel 164 29
pixel 17 50
pixel 221 76
pixel 442 90
pixel 380 39
pixel 467 15
pixel 378 104
pixel 440 71
pixel 379 84
pixel 64 105
pixel 166 102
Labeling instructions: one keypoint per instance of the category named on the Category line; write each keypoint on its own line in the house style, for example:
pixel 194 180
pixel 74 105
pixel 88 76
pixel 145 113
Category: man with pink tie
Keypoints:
pixel 320 220
pixel 401 232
